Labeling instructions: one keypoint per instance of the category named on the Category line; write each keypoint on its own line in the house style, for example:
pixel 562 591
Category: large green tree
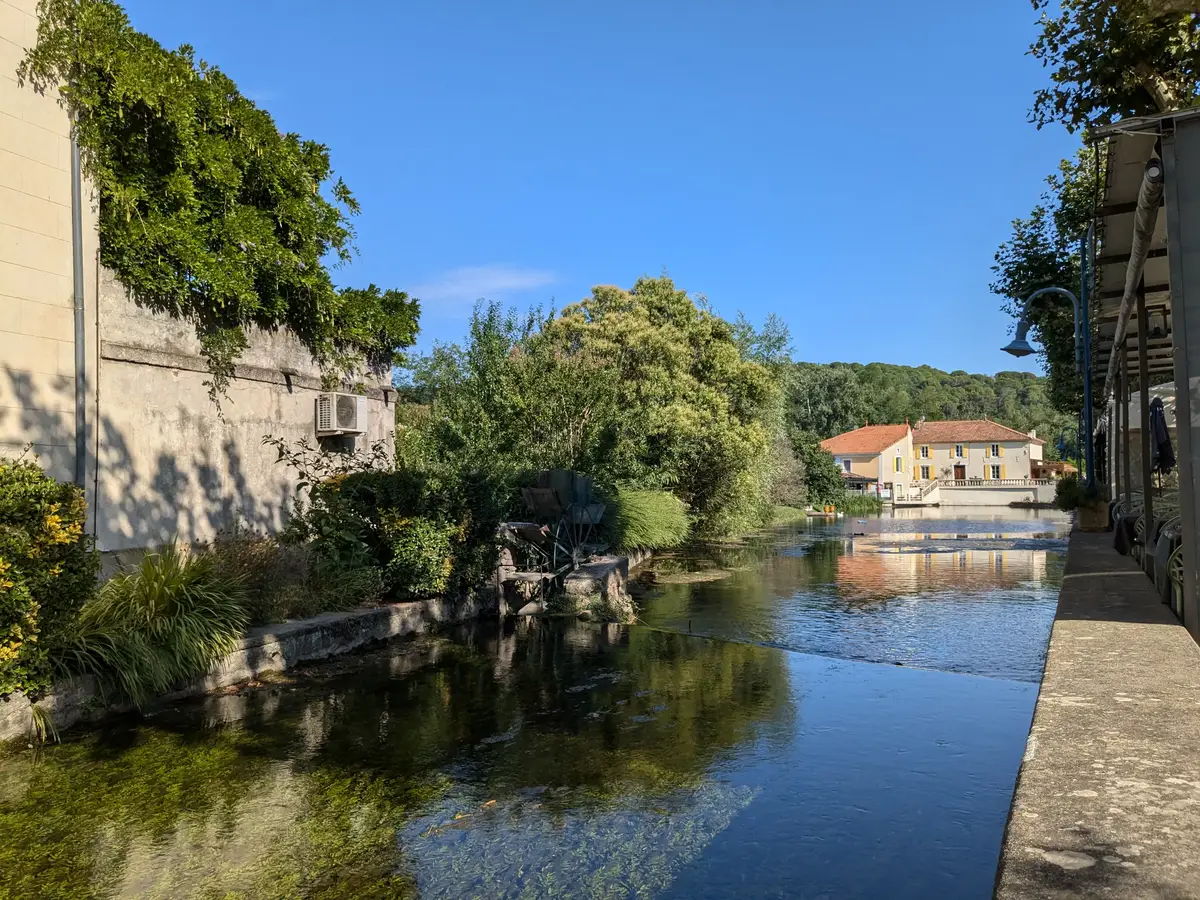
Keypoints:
pixel 1109 59
pixel 642 387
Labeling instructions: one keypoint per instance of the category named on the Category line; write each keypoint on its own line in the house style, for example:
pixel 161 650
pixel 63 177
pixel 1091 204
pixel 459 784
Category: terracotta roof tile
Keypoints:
pixel 968 431
pixel 868 439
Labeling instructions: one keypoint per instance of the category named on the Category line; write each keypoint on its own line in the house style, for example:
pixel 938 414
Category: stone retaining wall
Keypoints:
pixel 271 648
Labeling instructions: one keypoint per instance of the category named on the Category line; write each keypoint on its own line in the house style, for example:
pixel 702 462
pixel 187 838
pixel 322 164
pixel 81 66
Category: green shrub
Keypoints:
pixel 151 628
pixel 47 570
pixel 647 520
pixel 1069 493
pixel 420 554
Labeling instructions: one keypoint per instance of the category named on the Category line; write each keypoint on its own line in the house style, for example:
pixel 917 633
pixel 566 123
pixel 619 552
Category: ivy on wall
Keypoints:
pixel 207 212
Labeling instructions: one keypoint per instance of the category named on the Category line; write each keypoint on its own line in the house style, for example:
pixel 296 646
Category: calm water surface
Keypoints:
pixel 570 760
pixel 971 592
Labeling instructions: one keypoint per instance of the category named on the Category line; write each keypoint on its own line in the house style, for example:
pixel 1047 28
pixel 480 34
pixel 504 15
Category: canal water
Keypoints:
pixel 778 751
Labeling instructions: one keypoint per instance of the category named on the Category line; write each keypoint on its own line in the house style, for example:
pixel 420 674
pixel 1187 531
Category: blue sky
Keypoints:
pixel 849 166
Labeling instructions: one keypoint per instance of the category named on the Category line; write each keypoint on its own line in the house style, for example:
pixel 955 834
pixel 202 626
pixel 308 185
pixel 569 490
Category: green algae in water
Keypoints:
pixel 600 740
pixel 629 850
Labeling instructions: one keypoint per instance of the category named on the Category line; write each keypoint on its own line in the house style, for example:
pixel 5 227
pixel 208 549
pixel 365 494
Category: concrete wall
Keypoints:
pixel 160 461
pixel 1015 457
pixel 995 495
pixel 168 464
pixel 37 356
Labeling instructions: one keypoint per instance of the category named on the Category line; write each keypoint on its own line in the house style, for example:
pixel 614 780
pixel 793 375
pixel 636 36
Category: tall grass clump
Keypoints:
pixel 647 520
pixel 149 629
pixel 285 581
pixel 860 504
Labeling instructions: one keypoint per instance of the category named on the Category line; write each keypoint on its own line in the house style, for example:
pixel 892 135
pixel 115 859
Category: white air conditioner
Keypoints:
pixel 341 414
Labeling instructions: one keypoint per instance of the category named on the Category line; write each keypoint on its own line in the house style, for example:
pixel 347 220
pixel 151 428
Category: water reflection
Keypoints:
pixel 354 783
pixel 557 760
pixel 944 592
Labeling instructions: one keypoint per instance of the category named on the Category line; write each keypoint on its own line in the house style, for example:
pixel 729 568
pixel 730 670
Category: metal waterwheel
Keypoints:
pixel 574 533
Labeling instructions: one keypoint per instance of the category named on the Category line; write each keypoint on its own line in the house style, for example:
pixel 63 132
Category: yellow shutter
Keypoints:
pixel 987 450
pixel 987 471
pixel 1000 447
pixel 1002 475
pixel 916 473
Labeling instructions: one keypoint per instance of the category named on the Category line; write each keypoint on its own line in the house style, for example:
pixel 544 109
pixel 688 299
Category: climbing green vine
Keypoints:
pixel 207 212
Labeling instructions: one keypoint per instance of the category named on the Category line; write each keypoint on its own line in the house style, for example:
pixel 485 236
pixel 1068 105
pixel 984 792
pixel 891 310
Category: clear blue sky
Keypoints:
pixel 850 166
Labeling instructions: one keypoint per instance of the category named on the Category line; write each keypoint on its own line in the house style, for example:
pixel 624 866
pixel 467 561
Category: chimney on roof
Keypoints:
pixel 1033 433
pixel 920 421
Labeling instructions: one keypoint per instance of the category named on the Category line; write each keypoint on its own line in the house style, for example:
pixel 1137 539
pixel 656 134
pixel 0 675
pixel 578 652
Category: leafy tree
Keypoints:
pixel 1109 60
pixel 642 388
pixel 1042 252
pixel 822 478
pixel 207 212
pixel 825 400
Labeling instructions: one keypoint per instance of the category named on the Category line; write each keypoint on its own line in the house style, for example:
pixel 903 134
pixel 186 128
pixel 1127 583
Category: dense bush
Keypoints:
pixel 419 551
pixel 424 530
pixel 151 628
pixel 646 520
pixel 47 570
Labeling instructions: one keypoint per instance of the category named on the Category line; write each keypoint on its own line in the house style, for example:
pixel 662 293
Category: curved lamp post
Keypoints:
pixel 1019 346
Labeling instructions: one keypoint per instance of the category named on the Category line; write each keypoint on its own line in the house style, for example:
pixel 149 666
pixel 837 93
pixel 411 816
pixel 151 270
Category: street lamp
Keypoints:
pixel 1019 347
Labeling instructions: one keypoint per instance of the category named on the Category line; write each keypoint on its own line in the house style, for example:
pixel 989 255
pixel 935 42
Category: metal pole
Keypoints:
pixel 1125 461
pixel 1084 326
pixel 1144 423
pixel 80 355
pixel 1115 435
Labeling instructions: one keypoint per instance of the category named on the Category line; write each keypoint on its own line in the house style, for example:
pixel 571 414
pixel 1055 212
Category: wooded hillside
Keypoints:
pixel 831 398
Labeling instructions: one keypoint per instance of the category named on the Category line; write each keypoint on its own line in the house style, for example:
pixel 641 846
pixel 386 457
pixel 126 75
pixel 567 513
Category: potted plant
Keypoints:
pixel 1090 504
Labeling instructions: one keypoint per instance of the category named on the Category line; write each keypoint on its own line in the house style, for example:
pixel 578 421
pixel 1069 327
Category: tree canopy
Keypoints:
pixel 1109 59
pixel 207 212
pixel 642 387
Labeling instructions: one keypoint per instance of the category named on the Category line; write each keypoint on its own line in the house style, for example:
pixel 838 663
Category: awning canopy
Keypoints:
pixel 1128 153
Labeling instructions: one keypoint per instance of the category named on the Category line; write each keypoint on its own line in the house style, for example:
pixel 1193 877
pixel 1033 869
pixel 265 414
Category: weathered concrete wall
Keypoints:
pixel 37 346
pixel 995 496
pixel 168 464
pixel 272 648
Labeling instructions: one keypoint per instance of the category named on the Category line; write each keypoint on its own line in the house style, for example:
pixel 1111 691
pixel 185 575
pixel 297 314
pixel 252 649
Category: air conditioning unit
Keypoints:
pixel 341 414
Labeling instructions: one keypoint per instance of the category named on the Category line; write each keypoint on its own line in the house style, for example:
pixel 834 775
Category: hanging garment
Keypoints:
pixel 1162 455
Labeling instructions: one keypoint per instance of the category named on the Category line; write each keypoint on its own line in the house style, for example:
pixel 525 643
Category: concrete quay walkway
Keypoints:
pixel 1107 803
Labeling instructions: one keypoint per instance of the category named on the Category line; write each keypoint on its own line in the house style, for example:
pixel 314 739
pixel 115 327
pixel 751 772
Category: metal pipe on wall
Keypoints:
pixel 80 333
pixel 1145 217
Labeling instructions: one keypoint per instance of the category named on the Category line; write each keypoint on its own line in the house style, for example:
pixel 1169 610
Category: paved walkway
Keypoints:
pixel 1108 800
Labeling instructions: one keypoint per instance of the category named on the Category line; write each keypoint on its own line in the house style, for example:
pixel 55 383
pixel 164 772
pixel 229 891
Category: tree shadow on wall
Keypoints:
pixel 142 494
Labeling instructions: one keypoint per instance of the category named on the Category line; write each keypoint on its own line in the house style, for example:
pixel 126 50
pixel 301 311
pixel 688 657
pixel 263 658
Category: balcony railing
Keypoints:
pixel 993 482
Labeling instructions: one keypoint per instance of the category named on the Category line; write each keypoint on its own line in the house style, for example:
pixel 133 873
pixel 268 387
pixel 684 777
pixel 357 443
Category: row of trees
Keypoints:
pixel 1107 60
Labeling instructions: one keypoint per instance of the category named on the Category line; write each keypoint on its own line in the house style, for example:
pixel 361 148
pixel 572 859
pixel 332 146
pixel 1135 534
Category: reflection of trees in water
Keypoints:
pixel 303 789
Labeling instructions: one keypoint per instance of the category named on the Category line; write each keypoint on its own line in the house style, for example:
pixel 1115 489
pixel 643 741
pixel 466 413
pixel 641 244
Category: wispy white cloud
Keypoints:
pixel 465 285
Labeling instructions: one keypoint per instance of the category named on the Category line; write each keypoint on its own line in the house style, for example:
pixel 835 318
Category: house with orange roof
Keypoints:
pixel 968 462
pixel 882 453
pixel 976 450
